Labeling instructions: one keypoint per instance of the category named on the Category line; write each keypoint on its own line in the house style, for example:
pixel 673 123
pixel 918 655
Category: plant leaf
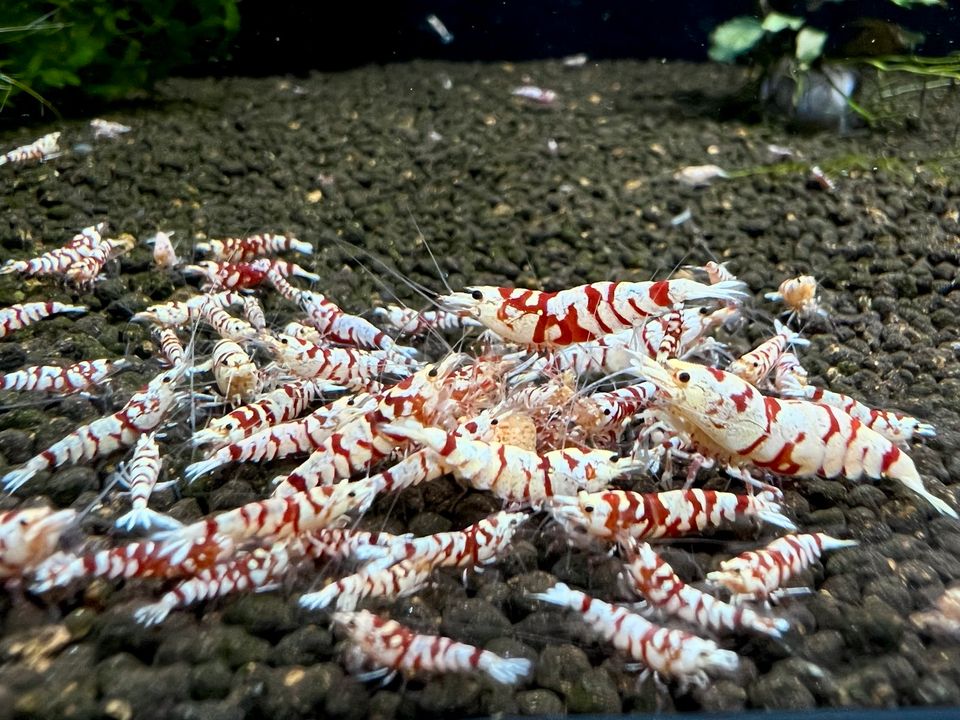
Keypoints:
pixel 734 38
pixel 913 3
pixel 810 42
pixel 775 22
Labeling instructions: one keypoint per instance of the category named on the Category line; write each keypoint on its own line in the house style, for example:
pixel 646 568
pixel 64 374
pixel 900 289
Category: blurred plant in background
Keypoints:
pixel 109 49
pixel 800 79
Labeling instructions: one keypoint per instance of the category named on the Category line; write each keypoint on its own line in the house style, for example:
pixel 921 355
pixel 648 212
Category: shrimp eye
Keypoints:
pixel 228 426
pixel 607 411
pixel 476 295
pixel 684 377
pixel 614 458
pixel 283 341
pixel 494 422
pixel 166 380
pixel 704 310
pixel 352 493
pixel 588 509
pixel 433 372
pixel 756 364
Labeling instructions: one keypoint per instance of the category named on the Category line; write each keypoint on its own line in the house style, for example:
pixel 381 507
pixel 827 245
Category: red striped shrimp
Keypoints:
pixel 337 326
pixel 407 321
pixel 59 260
pixel 586 312
pixel 895 427
pixel 789 376
pixel 384 583
pixel 42 149
pixel 19 316
pixel 225 275
pixel 28 537
pixel 164 255
pixel 391 648
pixel 799 294
pixel 476 545
pixel 285 403
pixel 178 314
pixel 288 438
pixel 284 288
pixel 730 421
pixel 758 574
pixel 62 380
pixel 253 312
pixel 236 249
pixel 613 514
pixel 140 477
pixel 170 346
pixel 755 366
pixel 142 413
pixel 361 443
pixel 143 559
pixel 276 517
pixel 513 474
pixel 672 654
pixel 226 325
pixel 345 366
pixel 303 332
pixel 654 580
pixel 237 377
pixel 86 270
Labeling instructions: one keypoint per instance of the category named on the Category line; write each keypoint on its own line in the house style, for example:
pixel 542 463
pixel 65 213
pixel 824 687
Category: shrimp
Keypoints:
pixel 245 249
pixel 27 537
pixel 799 294
pixel 386 583
pixel 237 378
pixel 178 314
pixel 46 148
pixel 170 346
pixel 107 129
pixel 757 574
pixel 392 648
pixel 587 312
pixel 673 654
pixel 58 261
pixel 614 514
pixel 62 380
pixel 731 422
pixel 655 581
pixel 515 475
pixel 337 326
pixel 164 256
pixel 344 366
pixel 141 414
pixel 19 316
pixel 226 325
pixel 407 321
pixel 757 364
pixel 140 477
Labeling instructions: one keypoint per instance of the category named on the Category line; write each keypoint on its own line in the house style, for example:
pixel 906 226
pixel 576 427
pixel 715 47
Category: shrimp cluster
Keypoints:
pixel 576 399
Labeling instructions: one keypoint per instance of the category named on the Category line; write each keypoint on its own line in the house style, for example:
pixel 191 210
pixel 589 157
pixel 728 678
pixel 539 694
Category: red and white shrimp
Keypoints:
pixel 62 380
pixel 730 421
pixel 392 648
pixel 757 574
pixel 226 325
pixel 360 443
pixel 19 316
pixel 140 477
pixel 513 474
pixel 28 537
pixel 178 314
pixel 288 438
pixel 337 326
pixel 586 312
pixel 237 377
pixel 253 312
pixel 755 366
pixel 345 366
pixel 799 294
pixel 170 346
pixel 789 376
pixel 108 129
pixel 141 414
pixel 614 514
pixel 285 403
pixel 385 583
pixel 654 580
pixel 895 427
pixel 237 249
pixel 56 262
pixel 164 255
pixel 672 654
pixel 43 149
pixel 303 332
pixel 407 321
pixel 225 275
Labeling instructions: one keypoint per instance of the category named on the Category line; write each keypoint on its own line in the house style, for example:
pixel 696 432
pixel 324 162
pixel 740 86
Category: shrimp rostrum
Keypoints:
pixel 729 420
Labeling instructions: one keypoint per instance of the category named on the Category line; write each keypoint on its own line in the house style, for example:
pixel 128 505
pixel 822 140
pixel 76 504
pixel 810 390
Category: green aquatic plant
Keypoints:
pixel 106 48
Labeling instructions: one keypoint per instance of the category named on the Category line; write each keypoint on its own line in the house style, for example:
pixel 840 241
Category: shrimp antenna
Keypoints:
pixel 433 258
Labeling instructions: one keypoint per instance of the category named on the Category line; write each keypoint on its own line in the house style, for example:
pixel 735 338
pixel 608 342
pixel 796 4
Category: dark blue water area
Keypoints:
pixel 290 35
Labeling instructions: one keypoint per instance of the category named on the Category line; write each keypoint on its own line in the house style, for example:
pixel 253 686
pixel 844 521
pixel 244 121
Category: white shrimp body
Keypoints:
pixel 28 537
pixel 140 478
pixel 177 314
pixel 757 364
pixel 303 332
pixel 164 255
pixel 799 294
pixel 84 375
pixel 586 312
pixel 757 574
pixel 226 325
pixel 19 316
pixel 731 422
pixel 253 313
pixel 673 654
pixel 142 413
pixel 655 581
pixel 237 377
pixel 391 648
pixel 170 346
pixel 407 321
pixel 613 514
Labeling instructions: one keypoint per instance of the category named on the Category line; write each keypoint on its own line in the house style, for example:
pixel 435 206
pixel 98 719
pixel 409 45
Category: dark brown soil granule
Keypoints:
pixel 377 156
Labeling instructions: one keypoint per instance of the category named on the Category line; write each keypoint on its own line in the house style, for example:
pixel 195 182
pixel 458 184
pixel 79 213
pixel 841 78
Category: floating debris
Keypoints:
pixel 699 175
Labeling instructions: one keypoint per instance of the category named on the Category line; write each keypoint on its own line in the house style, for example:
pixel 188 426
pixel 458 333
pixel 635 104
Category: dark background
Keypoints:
pixel 294 35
